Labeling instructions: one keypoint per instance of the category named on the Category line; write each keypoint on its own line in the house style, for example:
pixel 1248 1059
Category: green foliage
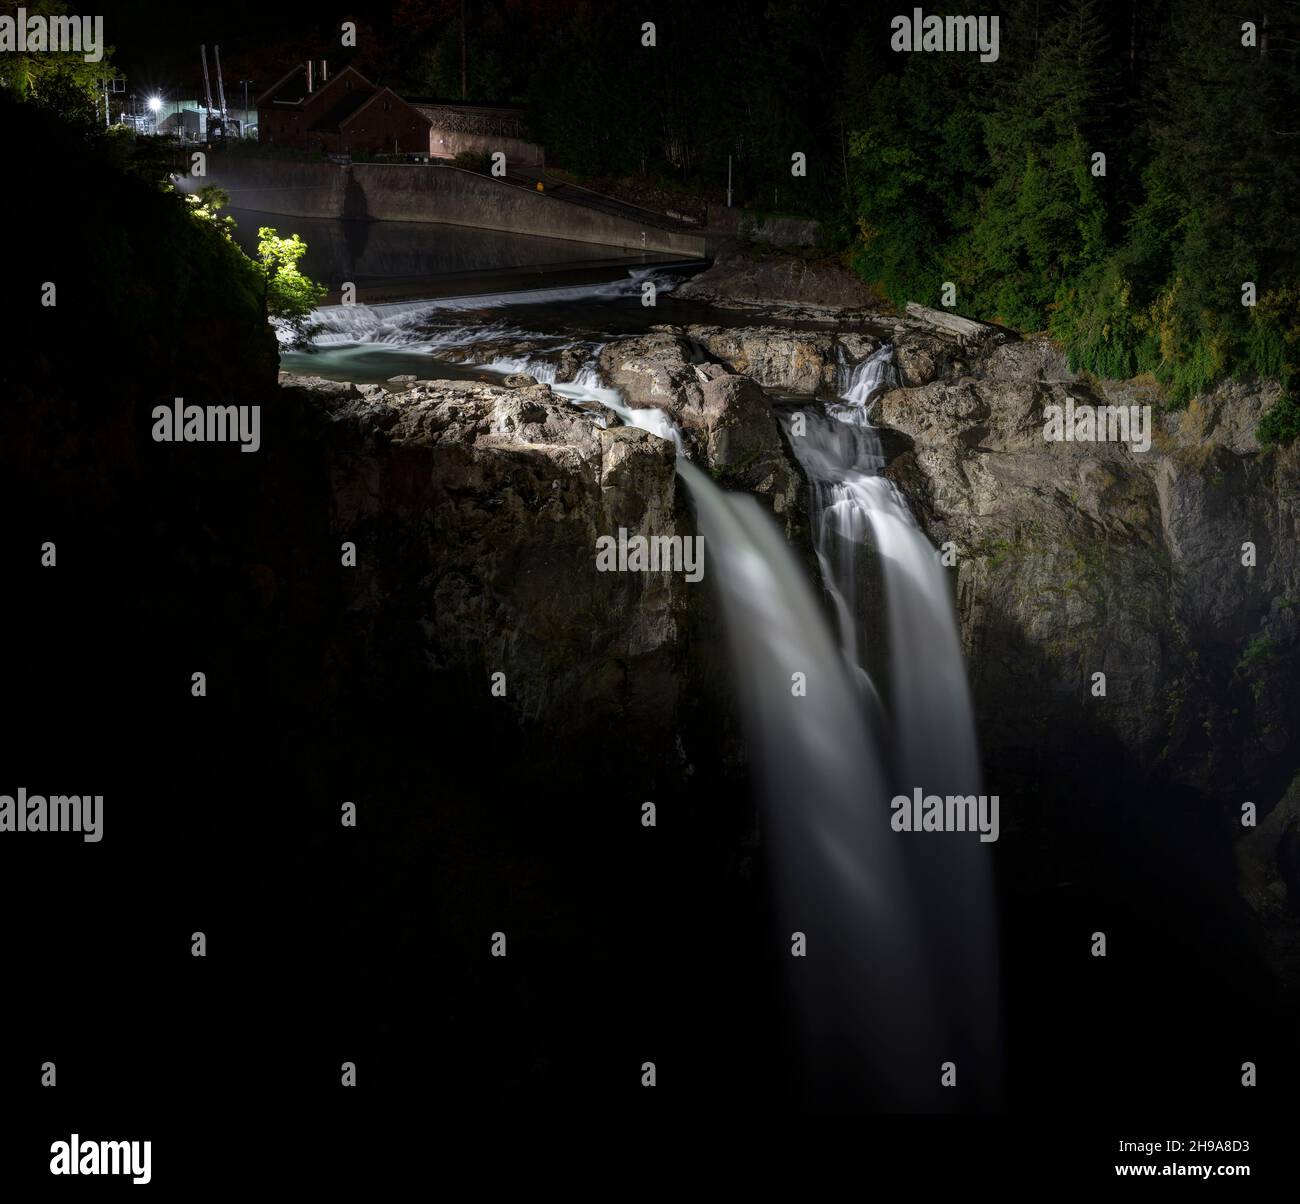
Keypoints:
pixel 991 185
pixel 204 206
pixel 1101 327
pixel 1282 423
pixel 914 175
pixel 60 82
pixel 1274 350
pixel 290 296
pixel 1258 652
pixel 478 161
pixel 156 299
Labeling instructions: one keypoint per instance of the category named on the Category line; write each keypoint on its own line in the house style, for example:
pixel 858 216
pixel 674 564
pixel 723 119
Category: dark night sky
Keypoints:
pixel 159 44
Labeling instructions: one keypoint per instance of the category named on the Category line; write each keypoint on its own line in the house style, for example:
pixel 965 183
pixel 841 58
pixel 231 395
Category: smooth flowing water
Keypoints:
pixel 900 974
pixel 869 547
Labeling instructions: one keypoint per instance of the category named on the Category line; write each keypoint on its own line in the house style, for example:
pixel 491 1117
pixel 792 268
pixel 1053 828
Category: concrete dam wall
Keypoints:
pixel 419 193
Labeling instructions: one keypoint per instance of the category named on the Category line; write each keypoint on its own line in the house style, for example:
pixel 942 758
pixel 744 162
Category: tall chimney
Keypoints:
pixel 309 77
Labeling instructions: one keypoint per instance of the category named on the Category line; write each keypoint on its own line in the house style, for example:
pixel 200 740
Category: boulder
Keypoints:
pixel 743 279
pixel 726 419
pixel 777 358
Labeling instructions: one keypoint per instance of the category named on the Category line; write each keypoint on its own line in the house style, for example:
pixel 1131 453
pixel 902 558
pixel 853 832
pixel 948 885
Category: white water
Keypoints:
pixel 900 974
pixel 859 517
pixel 396 322
pixel 864 1007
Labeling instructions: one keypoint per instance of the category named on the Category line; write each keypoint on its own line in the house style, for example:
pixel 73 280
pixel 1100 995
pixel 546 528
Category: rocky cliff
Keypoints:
pixel 1131 664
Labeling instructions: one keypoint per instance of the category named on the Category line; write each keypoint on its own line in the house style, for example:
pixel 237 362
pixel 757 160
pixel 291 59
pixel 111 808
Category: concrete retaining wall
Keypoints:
pixel 518 153
pixel 400 193
pixel 277 186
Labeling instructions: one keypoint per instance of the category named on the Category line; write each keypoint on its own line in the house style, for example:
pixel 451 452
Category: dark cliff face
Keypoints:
pixel 1123 810
pixel 1093 557
pixel 474 515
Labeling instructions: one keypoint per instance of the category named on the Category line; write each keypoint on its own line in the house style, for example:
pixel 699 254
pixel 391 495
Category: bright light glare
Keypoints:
pixel 154 103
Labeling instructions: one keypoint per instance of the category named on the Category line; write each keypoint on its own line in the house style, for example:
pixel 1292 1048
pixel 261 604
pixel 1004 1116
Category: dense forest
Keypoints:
pixel 1120 176
pixel 934 168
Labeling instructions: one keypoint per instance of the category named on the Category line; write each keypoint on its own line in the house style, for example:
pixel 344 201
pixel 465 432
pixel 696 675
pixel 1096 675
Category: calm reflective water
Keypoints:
pixel 374 253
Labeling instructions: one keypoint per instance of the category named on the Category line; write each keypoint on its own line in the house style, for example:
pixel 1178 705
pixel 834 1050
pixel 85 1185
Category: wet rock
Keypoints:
pixel 319 384
pixel 778 358
pixel 726 419
pixel 536 357
pixel 812 284
pixel 651 371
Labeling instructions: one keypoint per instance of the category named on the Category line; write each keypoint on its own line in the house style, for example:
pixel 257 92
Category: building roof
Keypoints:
pixel 289 89
pixel 347 104
pixel 371 100
pixel 432 102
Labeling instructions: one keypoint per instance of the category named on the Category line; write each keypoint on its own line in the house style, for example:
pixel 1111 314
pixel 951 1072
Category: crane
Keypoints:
pixel 207 87
pixel 221 90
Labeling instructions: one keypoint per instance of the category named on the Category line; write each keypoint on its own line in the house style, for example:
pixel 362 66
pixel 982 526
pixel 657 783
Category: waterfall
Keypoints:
pixel 863 1007
pixel 841 454
pixel 857 385
pixel 900 974
pixel 928 738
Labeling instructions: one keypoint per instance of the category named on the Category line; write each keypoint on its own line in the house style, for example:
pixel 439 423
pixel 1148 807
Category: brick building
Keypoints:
pixel 478 129
pixel 311 110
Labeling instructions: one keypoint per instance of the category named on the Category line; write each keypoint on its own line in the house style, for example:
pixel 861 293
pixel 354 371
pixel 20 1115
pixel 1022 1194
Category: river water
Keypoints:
pixel 373 254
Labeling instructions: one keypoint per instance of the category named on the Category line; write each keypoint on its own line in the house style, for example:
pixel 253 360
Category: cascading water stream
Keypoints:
pixel 904 975
pixel 900 972
pixel 928 740
pixel 863 1009
pixel 841 454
